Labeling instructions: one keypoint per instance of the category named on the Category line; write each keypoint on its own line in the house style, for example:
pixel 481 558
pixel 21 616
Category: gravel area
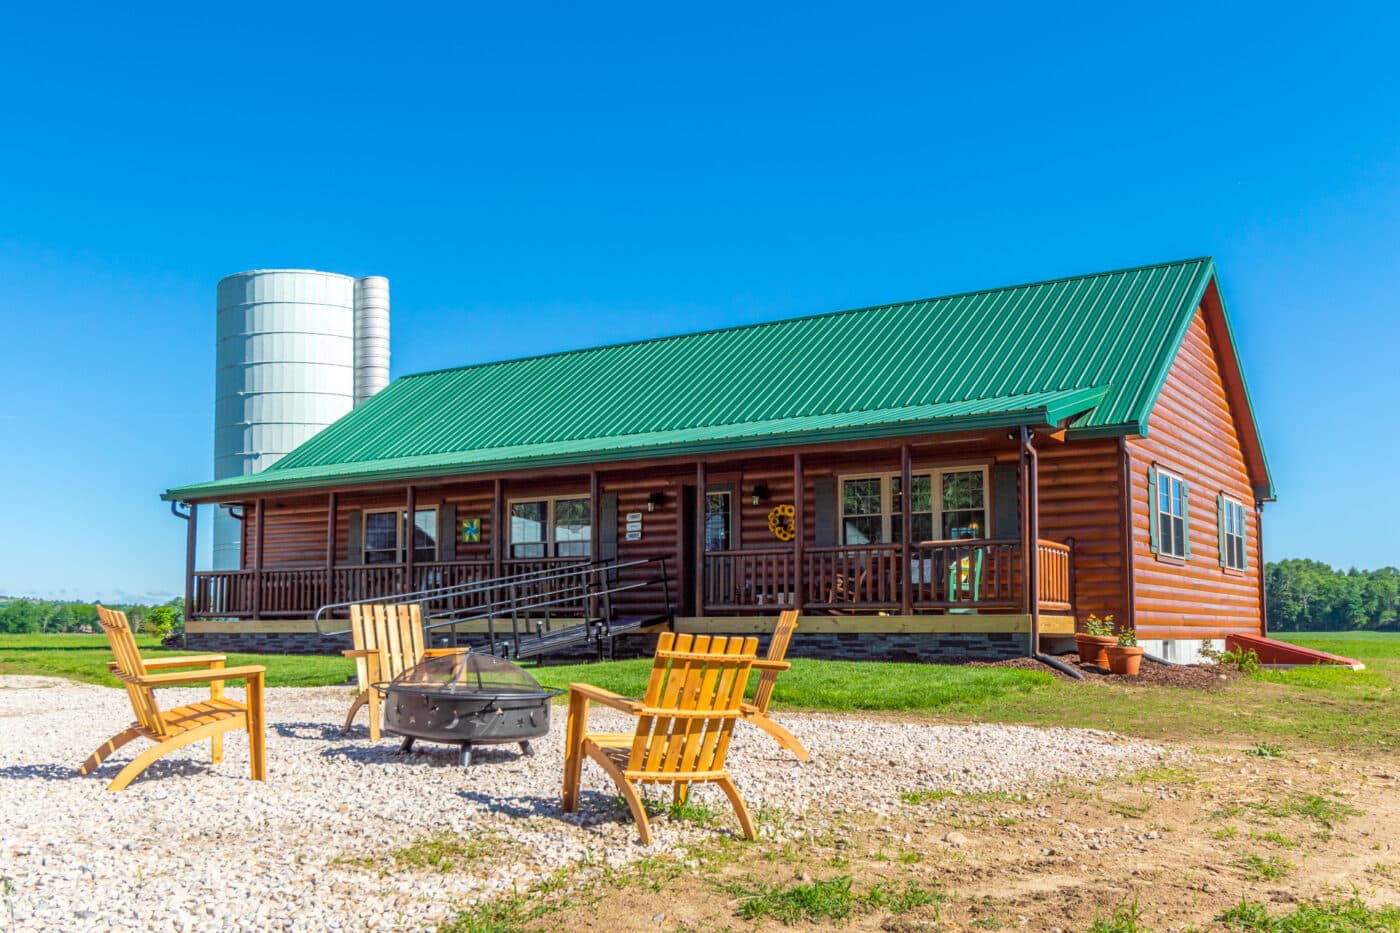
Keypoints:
pixel 190 846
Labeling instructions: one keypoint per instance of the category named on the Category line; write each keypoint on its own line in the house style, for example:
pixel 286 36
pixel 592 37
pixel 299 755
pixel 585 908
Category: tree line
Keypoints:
pixel 30 616
pixel 1311 596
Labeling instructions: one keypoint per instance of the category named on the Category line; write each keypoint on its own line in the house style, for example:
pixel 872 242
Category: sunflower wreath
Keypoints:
pixel 781 522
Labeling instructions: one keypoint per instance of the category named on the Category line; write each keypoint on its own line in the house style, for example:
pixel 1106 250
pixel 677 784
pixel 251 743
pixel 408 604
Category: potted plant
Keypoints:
pixel 1126 656
pixel 1094 641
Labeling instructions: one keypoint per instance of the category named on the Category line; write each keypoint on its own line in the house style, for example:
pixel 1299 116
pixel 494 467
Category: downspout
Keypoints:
pixel 1126 532
pixel 1259 546
pixel 1030 478
pixel 190 542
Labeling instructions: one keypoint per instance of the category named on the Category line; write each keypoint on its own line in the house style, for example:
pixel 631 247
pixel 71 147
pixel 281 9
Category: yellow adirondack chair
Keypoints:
pixel 388 640
pixel 771 666
pixel 684 724
pixel 174 728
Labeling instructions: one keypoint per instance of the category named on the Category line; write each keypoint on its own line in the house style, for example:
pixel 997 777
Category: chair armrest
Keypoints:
pixel 606 697
pixel 444 652
pixel 360 652
pixel 193 660
pixel 762 665
pixel 254 671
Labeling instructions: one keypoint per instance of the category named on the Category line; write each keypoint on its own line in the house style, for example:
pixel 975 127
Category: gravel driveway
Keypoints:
pixel 190 846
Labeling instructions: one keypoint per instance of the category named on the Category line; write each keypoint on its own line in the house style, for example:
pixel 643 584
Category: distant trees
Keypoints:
pixel 29 616
pixel 1309 595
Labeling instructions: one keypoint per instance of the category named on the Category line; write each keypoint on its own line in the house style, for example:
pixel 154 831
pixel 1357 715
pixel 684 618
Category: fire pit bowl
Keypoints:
pixel 466 700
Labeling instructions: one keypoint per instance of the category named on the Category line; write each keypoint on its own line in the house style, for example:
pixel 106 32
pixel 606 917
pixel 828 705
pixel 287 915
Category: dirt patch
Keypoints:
pixel 1186 676
pixel 1183 844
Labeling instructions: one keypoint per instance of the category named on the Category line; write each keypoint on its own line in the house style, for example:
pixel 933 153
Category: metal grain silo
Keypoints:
pixel 371 336
pixel 285 368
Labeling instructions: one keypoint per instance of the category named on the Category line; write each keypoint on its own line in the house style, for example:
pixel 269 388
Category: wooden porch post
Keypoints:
pixel 1023 493
pixel 593 539
pixel 906 520
pixel 407 585
pixel 1032 536
pixel 699 568
pixel 799 527
pixel 332 514
pixel 260 512
pixel 498 531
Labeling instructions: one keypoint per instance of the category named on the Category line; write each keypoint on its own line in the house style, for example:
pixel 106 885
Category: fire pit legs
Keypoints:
pixel 464 757
pixel 525 748
pixel 406 745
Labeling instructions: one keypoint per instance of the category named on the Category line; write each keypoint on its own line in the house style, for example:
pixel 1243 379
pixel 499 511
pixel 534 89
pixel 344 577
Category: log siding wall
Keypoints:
pixel 1193 433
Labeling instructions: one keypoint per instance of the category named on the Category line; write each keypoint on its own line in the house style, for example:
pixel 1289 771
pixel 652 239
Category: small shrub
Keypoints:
pixel 1124 920
pixel 1266 750
pixel 1127 638
pixel 1262 868
pixel 821 900
pixel 1320 917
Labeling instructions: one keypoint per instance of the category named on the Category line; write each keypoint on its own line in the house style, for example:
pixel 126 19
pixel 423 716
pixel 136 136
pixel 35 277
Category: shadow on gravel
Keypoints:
pixel 316 731
pixel 594 807
pixel 104 774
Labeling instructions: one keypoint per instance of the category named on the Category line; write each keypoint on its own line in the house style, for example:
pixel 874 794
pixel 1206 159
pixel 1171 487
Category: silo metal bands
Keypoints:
pixel 371 336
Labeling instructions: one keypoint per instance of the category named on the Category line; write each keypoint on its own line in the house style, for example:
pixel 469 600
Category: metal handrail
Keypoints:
pixel 569 592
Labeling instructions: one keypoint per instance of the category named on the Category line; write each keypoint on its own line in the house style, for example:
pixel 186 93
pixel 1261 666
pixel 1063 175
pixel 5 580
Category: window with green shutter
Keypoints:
pixel 1169 515
pixel 1232 534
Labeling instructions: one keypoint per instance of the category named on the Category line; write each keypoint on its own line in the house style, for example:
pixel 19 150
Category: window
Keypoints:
pixel 944 504
pixel 717 521
pixel 385 536
pixel 1170 509
pixel 1232 534
pixel 560 527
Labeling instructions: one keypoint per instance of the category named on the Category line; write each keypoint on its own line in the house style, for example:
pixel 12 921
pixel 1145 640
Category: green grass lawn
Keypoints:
pixel 85 657
pixel 1317 707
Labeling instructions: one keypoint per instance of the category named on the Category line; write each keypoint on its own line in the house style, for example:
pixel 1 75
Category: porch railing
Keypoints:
pixel 966 574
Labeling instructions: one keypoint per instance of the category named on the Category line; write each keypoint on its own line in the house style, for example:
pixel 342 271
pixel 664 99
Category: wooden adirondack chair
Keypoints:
pixel 171 729
pixel 388 640
pixel 757 711
pixel 684 724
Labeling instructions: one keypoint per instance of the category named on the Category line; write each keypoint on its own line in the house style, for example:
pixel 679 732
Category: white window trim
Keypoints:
pixel 934 474
pixel 1162 552
pixel 550 544
pixel 400 526
pixel 1232 503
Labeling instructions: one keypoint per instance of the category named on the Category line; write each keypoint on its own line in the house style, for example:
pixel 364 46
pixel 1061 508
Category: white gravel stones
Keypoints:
pixel 191 846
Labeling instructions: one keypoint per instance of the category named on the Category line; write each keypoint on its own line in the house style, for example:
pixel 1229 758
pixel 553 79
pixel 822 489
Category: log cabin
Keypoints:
pixel 1079 446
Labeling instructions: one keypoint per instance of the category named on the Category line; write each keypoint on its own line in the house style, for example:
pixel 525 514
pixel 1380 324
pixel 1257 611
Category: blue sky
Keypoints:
pixel 547 177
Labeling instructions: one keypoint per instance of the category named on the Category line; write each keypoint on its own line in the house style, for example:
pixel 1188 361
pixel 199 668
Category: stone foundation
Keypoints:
pixel 869 646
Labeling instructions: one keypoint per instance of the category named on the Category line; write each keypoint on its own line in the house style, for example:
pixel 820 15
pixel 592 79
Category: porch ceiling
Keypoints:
pixel 1035 408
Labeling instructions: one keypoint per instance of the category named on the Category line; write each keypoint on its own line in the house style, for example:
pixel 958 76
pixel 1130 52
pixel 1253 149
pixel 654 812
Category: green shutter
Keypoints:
pixel 1244 537
pixel 356 547
pixel 824 488
pixel 1185 519
pixel 607 531
pixel 448 532
pixel 1220 507
pixel 1152 508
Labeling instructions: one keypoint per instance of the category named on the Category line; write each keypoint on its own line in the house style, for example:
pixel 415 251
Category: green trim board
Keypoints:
pixel 1090 351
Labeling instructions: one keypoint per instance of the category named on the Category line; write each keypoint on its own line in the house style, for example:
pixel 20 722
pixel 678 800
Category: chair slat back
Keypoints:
pixel 394 633
pixel 130 669
pixel 777 650
pixel 690 705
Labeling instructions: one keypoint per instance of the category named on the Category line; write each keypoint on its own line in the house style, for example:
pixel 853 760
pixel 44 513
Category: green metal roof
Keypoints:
pixel 1097 346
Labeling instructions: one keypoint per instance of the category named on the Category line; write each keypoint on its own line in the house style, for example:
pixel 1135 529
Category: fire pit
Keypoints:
pixel 466 700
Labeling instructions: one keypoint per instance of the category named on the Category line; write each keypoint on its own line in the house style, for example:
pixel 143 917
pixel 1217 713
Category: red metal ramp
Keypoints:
pixel 1273 652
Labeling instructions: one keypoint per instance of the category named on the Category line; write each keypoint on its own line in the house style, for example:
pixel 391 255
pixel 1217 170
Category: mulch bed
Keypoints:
pixel 1185 676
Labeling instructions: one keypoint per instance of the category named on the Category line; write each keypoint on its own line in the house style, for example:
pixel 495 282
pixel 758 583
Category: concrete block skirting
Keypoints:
pixel 846 646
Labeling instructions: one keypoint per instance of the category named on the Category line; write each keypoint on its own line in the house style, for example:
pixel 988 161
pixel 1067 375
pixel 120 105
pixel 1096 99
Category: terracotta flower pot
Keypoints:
pixel 1093 648
pixel 1123 660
